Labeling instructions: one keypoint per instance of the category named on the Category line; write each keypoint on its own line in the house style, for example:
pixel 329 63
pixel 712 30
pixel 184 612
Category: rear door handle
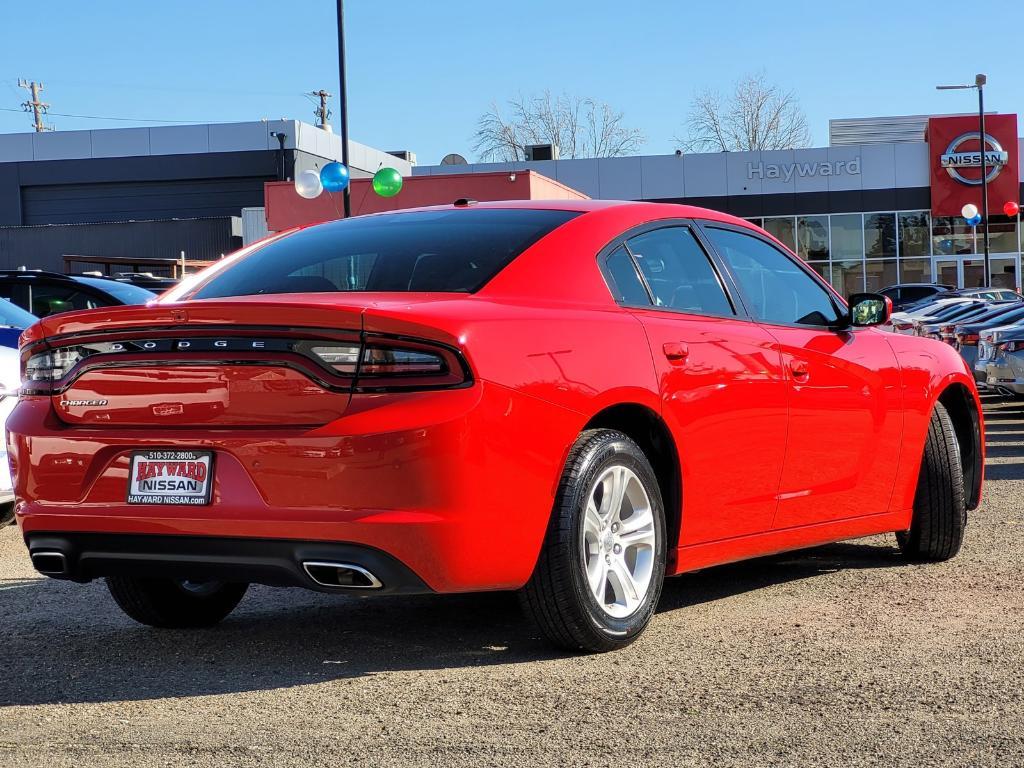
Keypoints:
pixel 799 370
pixel 675 351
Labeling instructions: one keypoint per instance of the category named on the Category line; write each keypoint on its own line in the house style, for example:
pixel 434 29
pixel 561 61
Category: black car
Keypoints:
pixel 905 294
pixel 47 293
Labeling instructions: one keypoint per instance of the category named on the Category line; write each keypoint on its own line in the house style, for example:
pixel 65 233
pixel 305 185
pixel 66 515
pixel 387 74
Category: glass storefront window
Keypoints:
pixel 848 276
pixel 782 228
pixel 821 267
pixel 812 237
pixel 880 274
pixel 974 273
pixel 1004 273
pixel 880 235
pixel 946 272
pixel 950 236
pixel 847 236
pixel 916 271
pixel 1002 236
pixel 913 234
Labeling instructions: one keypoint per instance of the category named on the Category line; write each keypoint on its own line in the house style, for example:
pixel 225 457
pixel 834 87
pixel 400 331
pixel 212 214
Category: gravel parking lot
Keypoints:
pixel 840 655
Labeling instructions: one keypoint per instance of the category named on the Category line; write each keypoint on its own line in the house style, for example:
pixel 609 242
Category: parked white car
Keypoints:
pixel 10 382
pixel 903 322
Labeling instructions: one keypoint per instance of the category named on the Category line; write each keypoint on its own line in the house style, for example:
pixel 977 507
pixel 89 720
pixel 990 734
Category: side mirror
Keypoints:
pixel 869 309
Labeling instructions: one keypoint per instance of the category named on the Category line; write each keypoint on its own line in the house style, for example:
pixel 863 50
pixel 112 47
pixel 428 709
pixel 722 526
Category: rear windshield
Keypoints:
pixel 447 251
pixel 126 293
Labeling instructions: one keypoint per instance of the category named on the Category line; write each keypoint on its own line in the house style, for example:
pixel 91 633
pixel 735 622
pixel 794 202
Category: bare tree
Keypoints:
pixel 757 115
pixel 581 127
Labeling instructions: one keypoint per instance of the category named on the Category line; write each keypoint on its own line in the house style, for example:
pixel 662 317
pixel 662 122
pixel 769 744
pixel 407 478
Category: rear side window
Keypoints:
pixel 678 271
pixel 916 293
pixel 625 282
pixel 54 298
pixel 446 251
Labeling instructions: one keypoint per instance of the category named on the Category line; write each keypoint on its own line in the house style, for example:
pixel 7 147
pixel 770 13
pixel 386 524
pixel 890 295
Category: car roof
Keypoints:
pixel 639 207
pixel 939 287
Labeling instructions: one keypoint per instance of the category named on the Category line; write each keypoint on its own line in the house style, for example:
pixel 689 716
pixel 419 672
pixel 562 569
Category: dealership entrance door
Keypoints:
pixel 968 271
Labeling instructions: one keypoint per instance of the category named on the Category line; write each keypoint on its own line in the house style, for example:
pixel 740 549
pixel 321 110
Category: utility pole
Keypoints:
pixel 36 107
pixel 323 114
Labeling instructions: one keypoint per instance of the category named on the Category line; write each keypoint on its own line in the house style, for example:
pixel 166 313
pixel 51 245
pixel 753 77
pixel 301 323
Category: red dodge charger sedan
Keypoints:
pixel 570 399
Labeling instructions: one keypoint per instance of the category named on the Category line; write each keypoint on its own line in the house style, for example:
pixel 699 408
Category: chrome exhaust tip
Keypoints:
pixel 345 575
pixel 50 563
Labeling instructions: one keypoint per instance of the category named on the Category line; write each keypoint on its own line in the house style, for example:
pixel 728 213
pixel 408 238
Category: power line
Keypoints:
pixel 106 117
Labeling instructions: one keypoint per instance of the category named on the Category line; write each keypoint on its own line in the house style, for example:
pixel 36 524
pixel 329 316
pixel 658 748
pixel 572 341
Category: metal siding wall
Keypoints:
pixel 44 247
pixel 87 203
pixel 123 188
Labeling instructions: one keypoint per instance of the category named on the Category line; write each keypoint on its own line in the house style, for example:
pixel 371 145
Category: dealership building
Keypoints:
pixel 153 193
pixel 880 205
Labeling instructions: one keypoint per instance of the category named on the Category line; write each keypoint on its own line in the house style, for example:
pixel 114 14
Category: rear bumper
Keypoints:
pixel 456 486
pixel 85 556
pixel 1005 374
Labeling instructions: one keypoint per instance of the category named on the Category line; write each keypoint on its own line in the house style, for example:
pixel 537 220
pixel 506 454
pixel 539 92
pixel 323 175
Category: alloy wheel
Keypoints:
pixel 618 541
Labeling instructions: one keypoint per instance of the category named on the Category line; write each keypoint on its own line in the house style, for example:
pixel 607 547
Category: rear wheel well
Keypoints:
pixel 647 429
pixel 963 411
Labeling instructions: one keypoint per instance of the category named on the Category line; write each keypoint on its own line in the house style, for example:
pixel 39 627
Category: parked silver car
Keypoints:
pixel 1005 370
pixel 989 361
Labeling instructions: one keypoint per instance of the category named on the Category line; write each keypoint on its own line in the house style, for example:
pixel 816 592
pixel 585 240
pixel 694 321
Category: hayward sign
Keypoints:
pixel 789 171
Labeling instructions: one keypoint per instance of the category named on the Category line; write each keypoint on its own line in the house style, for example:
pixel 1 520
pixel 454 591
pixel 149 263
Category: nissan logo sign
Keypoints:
pixel 953 161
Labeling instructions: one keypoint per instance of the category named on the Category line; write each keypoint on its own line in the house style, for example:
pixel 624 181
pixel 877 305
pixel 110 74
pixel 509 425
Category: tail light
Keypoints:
pixel 946 330
pixel 42 369
pixel 373 364
pixel 967 339
pixel 379 365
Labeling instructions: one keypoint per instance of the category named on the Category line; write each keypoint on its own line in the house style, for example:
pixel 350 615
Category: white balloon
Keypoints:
pixel 969 211
pixel 308 185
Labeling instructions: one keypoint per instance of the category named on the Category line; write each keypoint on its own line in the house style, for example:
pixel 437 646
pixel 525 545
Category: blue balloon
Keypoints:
pixel 334 177
pixel 971 222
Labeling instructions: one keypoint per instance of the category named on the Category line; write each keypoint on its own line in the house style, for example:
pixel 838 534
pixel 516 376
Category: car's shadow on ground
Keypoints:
pixel 67 643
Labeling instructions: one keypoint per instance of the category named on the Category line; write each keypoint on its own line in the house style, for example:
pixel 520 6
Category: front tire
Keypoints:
pixel 6 514
pixel 940 507
pixel 175 603
pixel 600 572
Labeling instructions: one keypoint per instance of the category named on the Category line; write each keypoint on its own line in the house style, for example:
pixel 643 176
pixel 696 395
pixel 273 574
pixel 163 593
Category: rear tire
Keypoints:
pixel 600 571
pixel 940 508
pixel 174 603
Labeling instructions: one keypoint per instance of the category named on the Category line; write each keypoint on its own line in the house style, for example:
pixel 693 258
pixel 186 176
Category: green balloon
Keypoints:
pixel 387 182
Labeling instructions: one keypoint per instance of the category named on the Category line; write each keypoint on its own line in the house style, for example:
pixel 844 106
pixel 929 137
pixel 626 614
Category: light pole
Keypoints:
pixel 979 84
pixel 343 103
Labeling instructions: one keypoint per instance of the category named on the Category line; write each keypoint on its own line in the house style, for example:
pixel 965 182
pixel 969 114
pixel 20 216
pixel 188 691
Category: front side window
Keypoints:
pixel 451 251
pixel 777 289
pixel 678 272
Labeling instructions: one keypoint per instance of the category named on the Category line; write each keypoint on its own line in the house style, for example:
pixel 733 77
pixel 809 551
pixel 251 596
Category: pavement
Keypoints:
pixel 839 655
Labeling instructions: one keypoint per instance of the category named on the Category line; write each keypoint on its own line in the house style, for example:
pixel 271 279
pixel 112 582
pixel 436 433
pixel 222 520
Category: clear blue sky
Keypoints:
pixel 421 73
